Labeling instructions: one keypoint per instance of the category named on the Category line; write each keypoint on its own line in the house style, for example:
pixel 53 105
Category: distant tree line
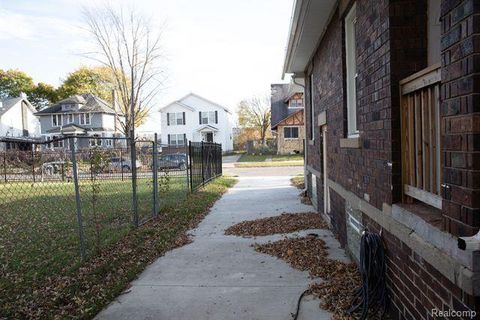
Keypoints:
pixel 95 80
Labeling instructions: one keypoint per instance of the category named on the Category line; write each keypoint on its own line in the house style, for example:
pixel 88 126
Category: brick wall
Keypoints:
pixel 381 25
pixel 415 286
pixel 391 45
pixel 460 112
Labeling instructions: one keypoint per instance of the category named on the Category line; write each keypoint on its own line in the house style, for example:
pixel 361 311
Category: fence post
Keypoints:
pixel 133 170
pixel 187 183
pixel 33 163
pixel 203 167
pixel 77 199
pixel 190 155
pixel 121 162
pixel 5 165
pixel 156 208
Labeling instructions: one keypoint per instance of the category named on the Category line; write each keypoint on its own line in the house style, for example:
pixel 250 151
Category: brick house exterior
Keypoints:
pixel 361 175
pixel 287 117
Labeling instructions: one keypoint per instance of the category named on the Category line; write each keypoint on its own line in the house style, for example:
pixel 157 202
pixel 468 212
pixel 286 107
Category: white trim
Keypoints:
pixel 312 109
pixel 68 118
pixel 57 116
pixel 179 102
pixel 170 143
pixel 326 188
pixel 208 117
pixel 351 70
pixel 176 118
pixel 82 117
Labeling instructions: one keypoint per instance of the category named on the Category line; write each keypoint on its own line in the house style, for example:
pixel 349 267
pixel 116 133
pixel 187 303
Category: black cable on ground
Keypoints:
pixel 372 296
pixel 295 315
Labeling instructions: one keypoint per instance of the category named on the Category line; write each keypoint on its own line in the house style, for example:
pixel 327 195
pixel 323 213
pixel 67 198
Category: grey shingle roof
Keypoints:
pixel 77 127
pixel 278 104
pixel 90 103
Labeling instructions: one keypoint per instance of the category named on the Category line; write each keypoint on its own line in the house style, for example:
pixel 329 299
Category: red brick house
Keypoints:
pixel 392 120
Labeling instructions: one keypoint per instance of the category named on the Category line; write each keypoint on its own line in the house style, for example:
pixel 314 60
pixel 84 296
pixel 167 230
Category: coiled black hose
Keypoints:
pixel 372 296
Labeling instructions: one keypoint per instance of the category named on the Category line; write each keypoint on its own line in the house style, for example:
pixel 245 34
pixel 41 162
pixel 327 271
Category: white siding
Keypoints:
pixel 11 122
pixel 192 123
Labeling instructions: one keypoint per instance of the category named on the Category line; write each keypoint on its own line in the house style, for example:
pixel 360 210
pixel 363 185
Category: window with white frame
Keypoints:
pixel 84 118
pixel 295 103
pixel 176 139
pixel 290 132
pixel 94 142
pixel 70 118
pixel 176 118
pixel 208 117
pixel 57 120
pixel 108 142
pixel 351 70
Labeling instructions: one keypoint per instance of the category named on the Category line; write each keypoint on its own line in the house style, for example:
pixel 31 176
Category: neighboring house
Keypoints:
pixel 287 117
pixel 392 138
pixel 194 118
pixel 81 116
pixel 18 121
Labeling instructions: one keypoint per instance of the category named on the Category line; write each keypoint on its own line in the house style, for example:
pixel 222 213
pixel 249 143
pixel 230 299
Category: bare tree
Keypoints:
pixel 255 113
pixel 127 45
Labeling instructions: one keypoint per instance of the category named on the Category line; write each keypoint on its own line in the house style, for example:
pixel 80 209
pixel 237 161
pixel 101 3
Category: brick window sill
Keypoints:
pixel 351 143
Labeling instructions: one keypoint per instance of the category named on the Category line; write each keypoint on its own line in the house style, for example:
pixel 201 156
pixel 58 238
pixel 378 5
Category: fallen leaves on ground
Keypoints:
pixel 304 198
pixel 284 223
pixel 81 292
pixel 298 181
pixel 310 254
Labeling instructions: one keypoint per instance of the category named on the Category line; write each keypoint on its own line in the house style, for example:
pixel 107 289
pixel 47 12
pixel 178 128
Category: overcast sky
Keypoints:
pixel 225 50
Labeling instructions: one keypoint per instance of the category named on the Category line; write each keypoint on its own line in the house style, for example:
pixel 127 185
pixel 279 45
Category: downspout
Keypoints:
pixel 305 144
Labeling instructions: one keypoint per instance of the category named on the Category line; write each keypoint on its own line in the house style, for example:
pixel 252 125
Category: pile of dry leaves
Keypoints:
pixel 285 223
pixel 310 254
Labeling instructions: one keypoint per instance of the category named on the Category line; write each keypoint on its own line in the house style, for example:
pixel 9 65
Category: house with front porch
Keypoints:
pixel 194 118
pixel 287 114
pixel 84 115
pixel 392 109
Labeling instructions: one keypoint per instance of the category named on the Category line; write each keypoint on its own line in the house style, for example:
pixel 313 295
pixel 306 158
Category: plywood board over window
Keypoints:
pixel 420 111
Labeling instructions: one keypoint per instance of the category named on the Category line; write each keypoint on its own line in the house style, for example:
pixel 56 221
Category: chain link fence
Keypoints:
pixel 70 197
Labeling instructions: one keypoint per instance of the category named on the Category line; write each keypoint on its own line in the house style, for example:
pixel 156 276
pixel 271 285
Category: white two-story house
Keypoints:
pixel 17 122
pixel 194 118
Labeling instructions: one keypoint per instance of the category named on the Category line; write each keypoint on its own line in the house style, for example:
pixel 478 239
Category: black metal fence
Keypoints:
pixel 205 162
pixel 59 201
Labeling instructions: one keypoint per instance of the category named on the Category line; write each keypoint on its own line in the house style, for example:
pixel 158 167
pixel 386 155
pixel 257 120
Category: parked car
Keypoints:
pixel 173 161
pixel 117 164
pixel 55 167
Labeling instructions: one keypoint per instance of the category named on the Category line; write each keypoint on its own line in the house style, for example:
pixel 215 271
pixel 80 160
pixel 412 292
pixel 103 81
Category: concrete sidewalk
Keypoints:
pixel 222 277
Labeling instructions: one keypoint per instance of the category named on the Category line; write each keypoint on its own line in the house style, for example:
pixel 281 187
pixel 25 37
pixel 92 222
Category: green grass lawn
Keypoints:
pixel 39 236
pixel 252 158
pixel 249 158
pixel 252 161
pixel 290 157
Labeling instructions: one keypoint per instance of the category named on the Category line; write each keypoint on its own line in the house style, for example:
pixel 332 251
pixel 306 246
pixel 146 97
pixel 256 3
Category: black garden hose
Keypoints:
pixel 372 295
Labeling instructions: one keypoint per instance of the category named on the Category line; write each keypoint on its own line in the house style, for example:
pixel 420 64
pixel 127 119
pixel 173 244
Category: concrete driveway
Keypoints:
pixel 222 277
